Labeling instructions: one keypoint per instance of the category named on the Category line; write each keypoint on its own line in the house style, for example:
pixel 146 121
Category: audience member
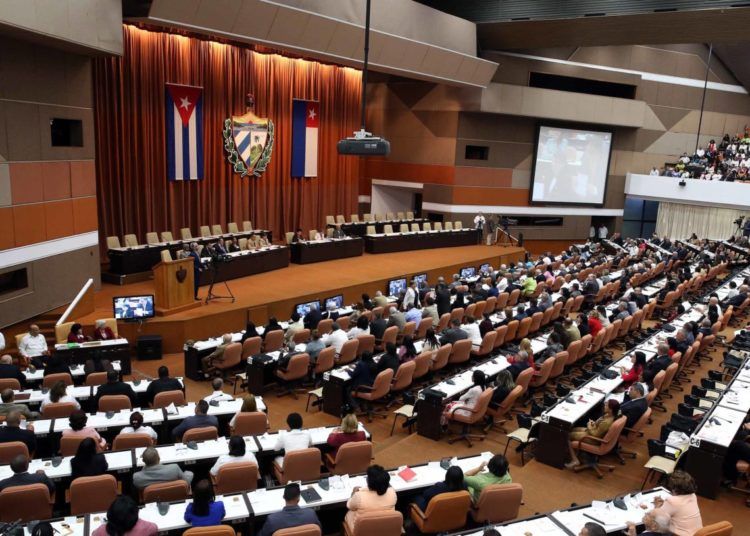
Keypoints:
pixel 454 481
pixel 291 515
pixel 122 520
pixel 21 476
pixel 9 405
pixel 205 510
pixel 115 386
pixel 595 428
pixel 497 473
pixel 294 439
pixel 12 431
pixel 237 453
pixel 377 496
pixel 162 384
pixel 137 427
pixel 348 431
pixel 58 394
pixel 201 419
pixel 682 506
pixel 154 471
pixel 87 461
pixel 11 371
pixel 78 428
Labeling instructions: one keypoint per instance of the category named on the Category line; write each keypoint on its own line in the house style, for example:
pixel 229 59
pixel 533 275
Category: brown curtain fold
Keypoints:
pixel 134 195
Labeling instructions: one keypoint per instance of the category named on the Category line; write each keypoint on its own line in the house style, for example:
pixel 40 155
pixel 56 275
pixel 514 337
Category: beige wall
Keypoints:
pixel 47 194
pixel 424 122
pixel 81 25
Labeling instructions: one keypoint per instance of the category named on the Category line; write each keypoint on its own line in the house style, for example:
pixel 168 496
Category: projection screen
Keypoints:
pixel 570 166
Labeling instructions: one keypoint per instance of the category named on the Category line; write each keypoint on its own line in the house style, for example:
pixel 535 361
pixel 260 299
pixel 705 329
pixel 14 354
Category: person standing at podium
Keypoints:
pixel 197 266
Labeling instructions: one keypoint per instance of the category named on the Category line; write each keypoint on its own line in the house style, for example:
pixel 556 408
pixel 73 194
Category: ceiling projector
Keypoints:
pixel 364 144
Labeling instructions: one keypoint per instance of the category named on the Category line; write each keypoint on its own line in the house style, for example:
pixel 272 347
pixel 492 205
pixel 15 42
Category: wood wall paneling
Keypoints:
pixel 29 224
pixel 26 182
pixel 84 215
pixel 58 216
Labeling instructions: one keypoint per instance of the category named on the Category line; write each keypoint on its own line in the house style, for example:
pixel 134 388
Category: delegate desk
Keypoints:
pixel 557 421
pixel 142 258
pixel 112 350
pixel 389 243
pixel 326 249
pixel 37 376
pixel 243 263
pixel 431 400
pixel 711 439
pixel 360 228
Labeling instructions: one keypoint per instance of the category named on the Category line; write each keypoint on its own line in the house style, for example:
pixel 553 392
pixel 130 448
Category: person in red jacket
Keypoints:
pixel 76 334
pixel 103 332
pixel 638 359
pixel 347 432
pixel 595 325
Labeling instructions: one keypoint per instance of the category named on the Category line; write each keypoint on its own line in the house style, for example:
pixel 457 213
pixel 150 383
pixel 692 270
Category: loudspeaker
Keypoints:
pixel 149 347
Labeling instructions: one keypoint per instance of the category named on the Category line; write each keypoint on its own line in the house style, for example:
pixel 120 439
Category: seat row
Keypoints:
pixel 354 218
pixel 131 240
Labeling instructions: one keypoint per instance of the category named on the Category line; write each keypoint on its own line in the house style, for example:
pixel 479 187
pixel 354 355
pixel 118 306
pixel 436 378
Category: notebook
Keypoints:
pixel 407 474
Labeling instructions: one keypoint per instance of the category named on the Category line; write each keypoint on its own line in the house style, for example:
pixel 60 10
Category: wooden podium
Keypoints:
pixel 174 287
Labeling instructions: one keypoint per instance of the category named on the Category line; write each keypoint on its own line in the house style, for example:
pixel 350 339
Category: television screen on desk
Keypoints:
pixel 467 272
pixel 485 268
pixel 396 286
pixel 133 307
pixel 337 301
pixel 304 308
pixel 420 279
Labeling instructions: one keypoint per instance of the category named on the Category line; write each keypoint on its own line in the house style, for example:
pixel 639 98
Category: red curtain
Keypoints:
pixel 134 195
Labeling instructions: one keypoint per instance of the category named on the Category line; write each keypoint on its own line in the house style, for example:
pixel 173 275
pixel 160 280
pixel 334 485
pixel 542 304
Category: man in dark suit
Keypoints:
pixel 12 431
pixel 161 384
pixel 454 333
pixel 199 420
pixel 313 317
pixel 197 267
pixel 520 313
pixel 378 325
pixel 634 408
pixel 21 476
pixel 679 342
pixel 740 297
pixel 9 370
pixel 660 362
pixel 442 298
pixel 116 387
pixel 389 360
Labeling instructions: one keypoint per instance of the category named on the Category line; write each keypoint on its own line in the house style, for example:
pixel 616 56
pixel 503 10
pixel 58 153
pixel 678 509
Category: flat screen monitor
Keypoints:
pixel 485 268
pixel 337 301
pixel 396 286
pixel 467 272
pixel 133 307
pixel 303 308
pixel 421 280
pixel 570 166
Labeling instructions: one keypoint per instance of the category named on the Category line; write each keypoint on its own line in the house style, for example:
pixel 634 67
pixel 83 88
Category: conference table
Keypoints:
pixel 143 257
pixel 326 249
pixel 716 431
pixel 389 243
pixel 112 350
pixel 243 263
pixel 360 228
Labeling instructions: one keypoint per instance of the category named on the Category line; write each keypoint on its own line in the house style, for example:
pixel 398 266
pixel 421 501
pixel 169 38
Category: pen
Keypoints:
pixel 597 520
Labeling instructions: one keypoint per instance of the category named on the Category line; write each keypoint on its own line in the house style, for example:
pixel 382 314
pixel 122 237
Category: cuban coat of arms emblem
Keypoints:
pixel 248 141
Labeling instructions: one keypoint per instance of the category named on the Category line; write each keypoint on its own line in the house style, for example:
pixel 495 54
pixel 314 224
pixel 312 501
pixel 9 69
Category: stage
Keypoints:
pixel 275 293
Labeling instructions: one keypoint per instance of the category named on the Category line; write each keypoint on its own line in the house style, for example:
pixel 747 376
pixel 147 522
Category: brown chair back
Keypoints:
pixel 507 404
pixel 297 368
pixel 348 352
pixel 301 336
pixel 200 434
pixel 722 528
pixel 445 512
pixel 25 503
pixel 273 341
pixel 114 403
pixel 424 325
pixel 175 490
pixel 498 503
pixel 380 387
pixel 442 356
pixel 9 383
pixel 96 378
pixel 89 494
pixel 366 344
pixel 443 322
pixel 377 523
pixel 561 358
pixel 389 335
pixel 488 344
pixel 132 441
pixel 165 398
pixel 326 360
pixel 478 412
pixel 248 423
pixel 251 346
pixel 300 465
pixel 512 330
pixel 422 365
pixel 302 530
pixel 404 376
pixel 235 477
pixel 232 356
pixel 52 379
pixel 352 458
pixel 609 441
pixel 461 352
pixel 11 449
pixel 69 445
pixel 500 332
pixel 324 326
pixel 524 378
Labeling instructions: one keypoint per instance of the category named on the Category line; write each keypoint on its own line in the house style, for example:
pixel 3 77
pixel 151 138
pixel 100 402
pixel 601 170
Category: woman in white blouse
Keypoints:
pixel 362 328
pixel 237 453
pixel 58 394
pixel 136 426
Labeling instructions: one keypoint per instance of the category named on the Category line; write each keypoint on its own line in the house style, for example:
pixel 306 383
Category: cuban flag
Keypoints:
pixel 184 125
pixel 305 123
